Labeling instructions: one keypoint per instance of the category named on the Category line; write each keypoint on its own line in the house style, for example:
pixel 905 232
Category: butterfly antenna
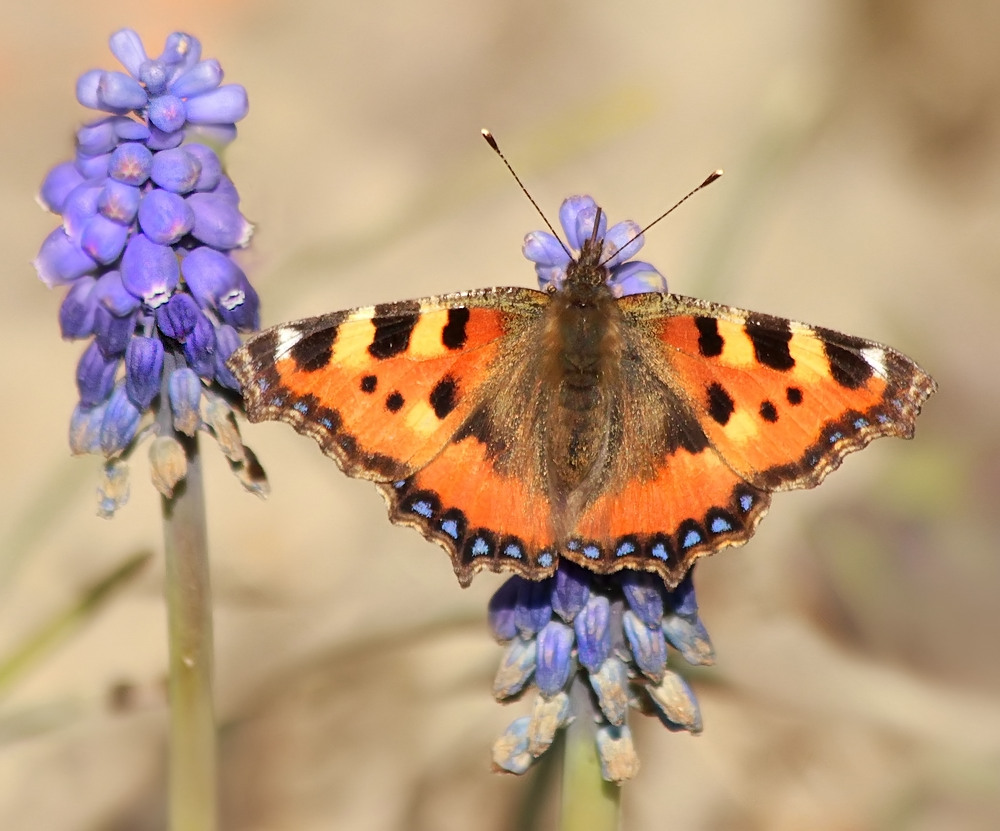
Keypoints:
pixel 715 174
pixel 492 142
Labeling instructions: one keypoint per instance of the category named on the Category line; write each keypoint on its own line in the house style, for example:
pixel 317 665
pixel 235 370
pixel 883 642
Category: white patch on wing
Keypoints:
pixel 286 338
pixel 875 358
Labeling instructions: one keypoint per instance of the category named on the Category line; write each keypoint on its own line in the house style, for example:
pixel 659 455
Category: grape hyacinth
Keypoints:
pixel 607 632
pixel 149 223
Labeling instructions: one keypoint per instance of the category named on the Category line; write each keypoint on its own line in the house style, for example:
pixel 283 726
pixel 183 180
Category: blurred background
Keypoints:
pixel 858 676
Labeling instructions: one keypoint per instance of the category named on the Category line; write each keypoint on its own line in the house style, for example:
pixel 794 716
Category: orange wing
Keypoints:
pixel 778 404
pixel 391 392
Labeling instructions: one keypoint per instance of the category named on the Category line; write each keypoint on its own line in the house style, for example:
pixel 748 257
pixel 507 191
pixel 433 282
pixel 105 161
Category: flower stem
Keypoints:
pixel 192 764
pixel 588 802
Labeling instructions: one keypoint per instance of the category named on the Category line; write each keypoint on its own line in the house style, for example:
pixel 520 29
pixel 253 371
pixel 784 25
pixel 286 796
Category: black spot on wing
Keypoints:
pixel 444 396
pixel 710 342
pixel 770 338
pixel 312 352
pixel 394 401
pixel 720 403
pixel 453 336
pixel 394 324
pixel 793 395
pixel 369 383
pixel 768 411
pixel 847 365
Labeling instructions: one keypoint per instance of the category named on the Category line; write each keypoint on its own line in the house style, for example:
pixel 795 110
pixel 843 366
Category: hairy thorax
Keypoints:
pixel 583 360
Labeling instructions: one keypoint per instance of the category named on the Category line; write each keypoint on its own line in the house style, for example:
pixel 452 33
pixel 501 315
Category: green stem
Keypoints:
pixel 588 802
pixel 192 786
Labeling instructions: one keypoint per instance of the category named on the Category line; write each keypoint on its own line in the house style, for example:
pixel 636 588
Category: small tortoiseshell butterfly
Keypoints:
pixel 515 427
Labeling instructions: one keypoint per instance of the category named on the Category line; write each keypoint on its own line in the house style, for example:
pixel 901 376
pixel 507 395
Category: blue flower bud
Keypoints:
pixel 510 751
pixel 220 106
pixel 682 599
pixel 622 242
pixel 86 89
pixel 85 428
pixel 572 588
pixel 610 683
pixel 143 368
pixel 184 390
pixel 113 296
pixel 636 277
pixel 175 170
pixel 210 275
pixel 103 239
pixel 500 611
pixel 164 216
pixel 548 714
pixel 59 183
pixel 211 167
pixel 121 421
pixel 690 639
pixel 130 163
pixel 569 217
pixel 644 593
pixel 129 130
pixel 167 112
pixel 240 306
pixel 160 140
pixel 119 93
pixel 516 667
pixel 149 271
pixel 154 76
pixel 227 341
pixel 97 138
pixel 95 375
pixel 199 79
pixel 649 649
pixel 593 633
pixel 676 702
pixel 60 260
pixel 93 167
pixel 616 751
pixel 119 201
pixel 199 348
pixel 76 314
pixel 112 333
pixel 553 664
pixel 218 221
pixel 533 608
pixel 180 52
pixel 544 249
pixel 178 317
pixel 126 45
pixel 80 208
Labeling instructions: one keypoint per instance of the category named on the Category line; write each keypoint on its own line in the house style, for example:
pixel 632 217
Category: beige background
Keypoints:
pixel 858 684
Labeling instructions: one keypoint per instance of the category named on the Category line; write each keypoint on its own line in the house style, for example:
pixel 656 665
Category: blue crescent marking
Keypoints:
pixel 450 527
pixel 746 502
pixel 624 549
pixel 720 525
pixel 480 547
pixel 302 408
pixel 835 437
pixel 659 551
pixel 423 508
pixel 591 552
pixel 545 559
pixel 691 539
pixel 512 550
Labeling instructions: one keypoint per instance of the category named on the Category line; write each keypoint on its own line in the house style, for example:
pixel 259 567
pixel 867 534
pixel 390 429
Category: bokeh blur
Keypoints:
pixel 858 676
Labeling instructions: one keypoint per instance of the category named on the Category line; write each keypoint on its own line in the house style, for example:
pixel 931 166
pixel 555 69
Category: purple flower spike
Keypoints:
pixel 127 225
pixel 143 368
pixel 120 423
pixel 573 215
pixel 150 271
pixel 95 376
pixel 622 242
pixel 555 644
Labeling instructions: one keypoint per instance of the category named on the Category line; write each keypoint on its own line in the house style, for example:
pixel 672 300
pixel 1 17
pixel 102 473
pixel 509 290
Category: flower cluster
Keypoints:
pixel 621 242
pixel 149 221
pixel 607 632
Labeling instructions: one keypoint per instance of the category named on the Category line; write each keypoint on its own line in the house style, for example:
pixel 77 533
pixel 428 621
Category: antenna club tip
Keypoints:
pixel 492 142
pixel 715 174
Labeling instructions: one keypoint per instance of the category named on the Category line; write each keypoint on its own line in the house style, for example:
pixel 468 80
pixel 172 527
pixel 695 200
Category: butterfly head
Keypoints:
pixel 593 254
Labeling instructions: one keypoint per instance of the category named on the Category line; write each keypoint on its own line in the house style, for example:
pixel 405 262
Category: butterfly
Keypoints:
pixel 518 427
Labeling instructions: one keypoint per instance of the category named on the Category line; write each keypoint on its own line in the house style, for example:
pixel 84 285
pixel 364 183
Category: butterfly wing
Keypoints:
pixel 409 395
pixel 766 404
